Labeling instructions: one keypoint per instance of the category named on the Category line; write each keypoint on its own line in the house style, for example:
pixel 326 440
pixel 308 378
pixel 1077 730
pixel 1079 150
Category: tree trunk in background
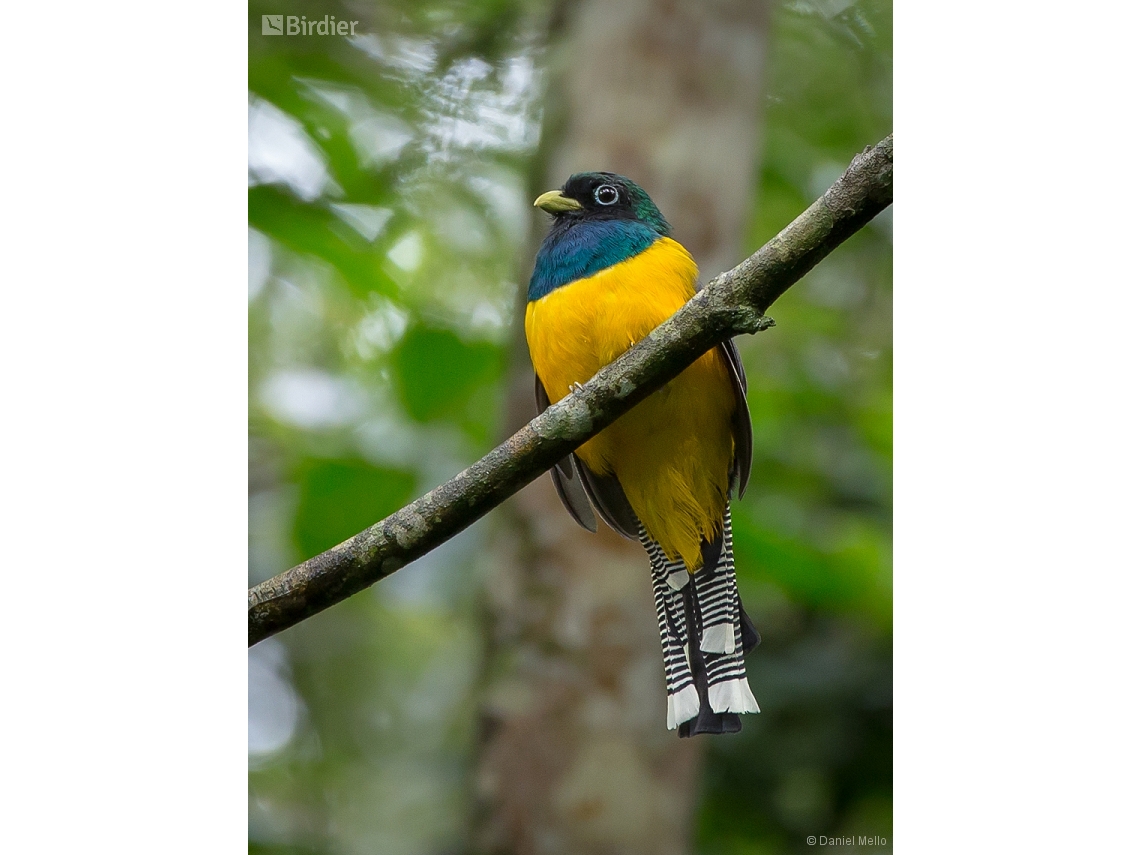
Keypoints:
pixel 575 757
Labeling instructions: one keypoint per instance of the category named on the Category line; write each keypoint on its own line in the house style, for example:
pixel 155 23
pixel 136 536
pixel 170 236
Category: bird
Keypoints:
pixel 606 274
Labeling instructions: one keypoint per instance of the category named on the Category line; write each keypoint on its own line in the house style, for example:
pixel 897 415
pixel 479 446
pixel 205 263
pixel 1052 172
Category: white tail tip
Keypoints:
pixel 682 706
pixel 719 639
pixel 732 696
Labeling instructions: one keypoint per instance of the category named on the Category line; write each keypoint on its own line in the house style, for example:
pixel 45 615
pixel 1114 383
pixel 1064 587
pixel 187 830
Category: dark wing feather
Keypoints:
pixel 574 499
pixel 608 499
pixel 566 483
pixel 741 419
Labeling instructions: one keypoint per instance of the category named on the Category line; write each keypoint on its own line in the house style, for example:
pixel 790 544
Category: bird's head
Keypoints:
pixel 597 196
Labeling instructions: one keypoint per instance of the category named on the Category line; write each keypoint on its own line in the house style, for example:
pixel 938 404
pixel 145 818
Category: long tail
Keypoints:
pixel 705 636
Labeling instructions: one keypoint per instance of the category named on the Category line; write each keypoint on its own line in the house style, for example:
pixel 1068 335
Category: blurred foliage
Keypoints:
pixel 387 214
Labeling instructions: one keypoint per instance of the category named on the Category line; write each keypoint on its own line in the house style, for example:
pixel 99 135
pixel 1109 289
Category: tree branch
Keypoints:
pixel 733 303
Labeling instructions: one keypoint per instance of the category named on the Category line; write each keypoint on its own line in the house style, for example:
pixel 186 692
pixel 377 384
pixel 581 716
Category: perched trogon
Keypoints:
pixel 607 274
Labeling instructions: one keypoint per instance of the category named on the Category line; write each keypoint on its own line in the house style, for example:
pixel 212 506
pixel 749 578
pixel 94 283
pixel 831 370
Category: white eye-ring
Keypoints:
pixel 607 194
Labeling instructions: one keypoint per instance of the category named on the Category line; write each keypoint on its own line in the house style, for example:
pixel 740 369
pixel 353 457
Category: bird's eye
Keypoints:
pixel 607 194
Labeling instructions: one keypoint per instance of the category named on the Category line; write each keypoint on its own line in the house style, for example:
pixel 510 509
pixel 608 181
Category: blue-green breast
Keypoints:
pixel 575 250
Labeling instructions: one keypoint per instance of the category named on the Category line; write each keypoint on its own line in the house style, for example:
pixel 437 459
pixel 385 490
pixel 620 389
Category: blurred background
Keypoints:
pixel 505 693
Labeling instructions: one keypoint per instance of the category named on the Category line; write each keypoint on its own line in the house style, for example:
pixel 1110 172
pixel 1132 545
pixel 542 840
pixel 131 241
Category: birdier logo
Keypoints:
pixel 299 25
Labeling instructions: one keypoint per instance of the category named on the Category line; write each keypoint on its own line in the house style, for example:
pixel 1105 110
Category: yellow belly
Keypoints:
pixel 672 452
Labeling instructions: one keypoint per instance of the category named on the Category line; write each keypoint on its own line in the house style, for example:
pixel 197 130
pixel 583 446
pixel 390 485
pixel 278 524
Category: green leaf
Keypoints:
pixel 437 372
pixel 313 230
pixel 341 497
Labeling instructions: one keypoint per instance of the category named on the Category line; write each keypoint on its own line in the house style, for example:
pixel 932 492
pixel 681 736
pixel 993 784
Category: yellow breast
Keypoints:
pixel 672 452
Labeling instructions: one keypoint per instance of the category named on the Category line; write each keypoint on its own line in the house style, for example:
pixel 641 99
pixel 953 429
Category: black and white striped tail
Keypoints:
pixel 708 686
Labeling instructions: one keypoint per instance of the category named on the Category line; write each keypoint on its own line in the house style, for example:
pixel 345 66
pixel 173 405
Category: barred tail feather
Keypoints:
pixel 683 701
pixel 706 682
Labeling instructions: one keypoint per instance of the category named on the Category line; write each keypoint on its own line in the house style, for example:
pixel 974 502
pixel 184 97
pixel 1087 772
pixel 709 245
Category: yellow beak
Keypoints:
pixel 553 202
